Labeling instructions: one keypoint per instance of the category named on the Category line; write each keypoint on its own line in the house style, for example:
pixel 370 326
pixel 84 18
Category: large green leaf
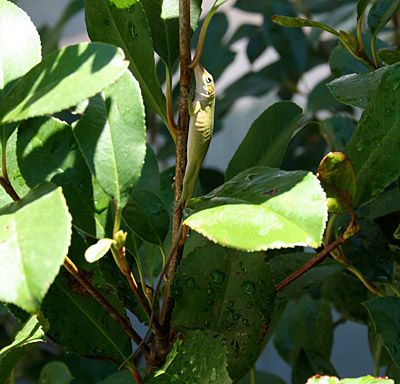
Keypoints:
pixel 47 151
pixel 34 238
pixel 163 17
pixel 199 358
pixel 63 79
pixel 31 333
pixel 356 89
pixel 377 133
pixel 150 176
pixel 262 377
pixel 267 138
pixel 262 208
pixel 55 372
pixel 112 137
pixel 19 52
pixel 147 216
pixel 80 325
pixel 228 292
pixel 129 29
pixel 385 314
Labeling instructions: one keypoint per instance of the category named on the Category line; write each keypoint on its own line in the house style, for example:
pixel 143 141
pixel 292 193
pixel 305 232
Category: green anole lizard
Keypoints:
pixel 201 127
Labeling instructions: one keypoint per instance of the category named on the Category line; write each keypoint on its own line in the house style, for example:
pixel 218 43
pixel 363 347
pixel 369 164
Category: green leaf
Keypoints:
pixel 98 250
pixel 321 99
pixel 61 80
pixel 380 13
pixel 163 18
pixel 385 314
pixel 47 151
pixel 262 208
pixel 337 131
pixel 80 325
pixel 397 233
pixel 389 56
pixel 318 379
pixel 112 137
pixel 147 216
pixel 377 132
pixel 150 176
pixel 285 21
pixel 388 202
pixel 55 372
pixel 361 6
pixel 338 179
pixel 34 239
pixel 31 333
pixel 228 292
pixel 267 138
pixel 356 89
pixel 200 357
pixel 128 29
pixel 19 52
pixel 124 377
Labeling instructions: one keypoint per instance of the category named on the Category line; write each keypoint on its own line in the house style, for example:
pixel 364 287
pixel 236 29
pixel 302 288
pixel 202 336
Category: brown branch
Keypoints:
pixel 321 256
pixel 183 122
pixel 141 299
pixel 9 189
pixel 122 322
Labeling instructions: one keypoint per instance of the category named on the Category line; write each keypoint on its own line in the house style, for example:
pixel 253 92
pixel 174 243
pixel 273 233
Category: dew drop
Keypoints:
pixel 217 276
pixel 248 287
pixel 132 31
pixel 191 283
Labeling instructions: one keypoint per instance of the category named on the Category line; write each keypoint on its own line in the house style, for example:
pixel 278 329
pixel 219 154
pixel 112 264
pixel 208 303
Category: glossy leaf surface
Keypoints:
pixel 356 89
pixel 112 137
pixel 61 80
pixel 128 28
pixel 229 292
pixel 262 208
pixel 200 357
pixel 34 239
pixel 19 52
pixel 47 151
pixel 377 132
pixel 385 313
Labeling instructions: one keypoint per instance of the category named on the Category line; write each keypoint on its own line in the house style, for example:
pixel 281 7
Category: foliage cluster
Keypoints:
pixel 287 233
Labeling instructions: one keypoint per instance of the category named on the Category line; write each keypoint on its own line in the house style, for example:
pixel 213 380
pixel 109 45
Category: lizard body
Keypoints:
pixel 201 127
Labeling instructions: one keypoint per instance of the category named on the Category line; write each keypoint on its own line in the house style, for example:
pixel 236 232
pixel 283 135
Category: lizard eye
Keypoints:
pixel 209 80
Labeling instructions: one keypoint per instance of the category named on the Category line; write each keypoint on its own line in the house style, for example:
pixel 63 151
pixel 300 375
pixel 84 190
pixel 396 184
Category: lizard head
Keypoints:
pixel 204 82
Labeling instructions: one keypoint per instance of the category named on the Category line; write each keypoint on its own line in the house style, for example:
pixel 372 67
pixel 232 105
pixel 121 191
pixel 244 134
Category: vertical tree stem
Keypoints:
pixel 183 122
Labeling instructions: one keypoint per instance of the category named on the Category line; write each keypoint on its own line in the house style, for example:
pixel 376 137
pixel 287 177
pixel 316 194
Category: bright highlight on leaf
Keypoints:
pixel 97 251
pixel 262 208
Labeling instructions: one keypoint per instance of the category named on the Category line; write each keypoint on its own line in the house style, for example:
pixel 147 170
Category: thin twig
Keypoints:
pixel 310 264
pixel 96 294
pixel 9 189
pixel 118 254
